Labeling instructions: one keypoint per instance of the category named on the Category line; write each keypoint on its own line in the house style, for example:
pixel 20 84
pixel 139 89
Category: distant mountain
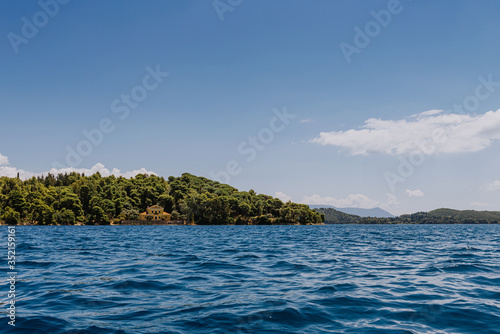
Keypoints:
pixel 375 212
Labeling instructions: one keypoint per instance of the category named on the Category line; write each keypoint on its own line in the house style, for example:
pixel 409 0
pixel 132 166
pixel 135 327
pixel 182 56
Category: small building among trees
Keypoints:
pixel 154 212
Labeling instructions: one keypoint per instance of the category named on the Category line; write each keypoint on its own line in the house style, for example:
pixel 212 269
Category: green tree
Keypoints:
pixel 40 212
pixel 175 215
pixel 11 217
pixel 167 202
pixel 129 214
pixel 98 216
pixel 109 208
pixel 64 217
pixel 18 202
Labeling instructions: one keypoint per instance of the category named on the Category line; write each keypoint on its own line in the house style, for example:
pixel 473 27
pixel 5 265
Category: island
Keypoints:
pixel 76 199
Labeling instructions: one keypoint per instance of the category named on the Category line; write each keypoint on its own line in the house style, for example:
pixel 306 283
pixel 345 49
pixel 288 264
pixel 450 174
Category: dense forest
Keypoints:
pixel 439 216
pixel 68 199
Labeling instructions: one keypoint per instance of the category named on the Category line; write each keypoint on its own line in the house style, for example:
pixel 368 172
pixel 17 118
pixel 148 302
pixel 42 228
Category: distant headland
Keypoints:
pixel 439 216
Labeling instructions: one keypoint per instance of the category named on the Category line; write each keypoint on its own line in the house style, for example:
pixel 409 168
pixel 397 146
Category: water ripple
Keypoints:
pixel 257 279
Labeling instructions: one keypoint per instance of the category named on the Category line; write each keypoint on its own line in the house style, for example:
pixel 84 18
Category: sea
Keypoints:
pixel 387 279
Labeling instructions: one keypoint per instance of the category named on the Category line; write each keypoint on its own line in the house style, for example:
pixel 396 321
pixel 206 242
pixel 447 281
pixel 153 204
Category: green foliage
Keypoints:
pixel 10 216
pixel 332 216
pixel 167 202
pixel 17 201
pixel 64 217
pixel 467 216
pixel 97 216
pixel 175 215
pixel 208 202
pixel 439 216
pixel 75 198
pixel 129 214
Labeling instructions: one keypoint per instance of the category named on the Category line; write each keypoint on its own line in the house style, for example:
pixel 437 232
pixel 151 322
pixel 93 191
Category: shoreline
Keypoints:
pixel 192 224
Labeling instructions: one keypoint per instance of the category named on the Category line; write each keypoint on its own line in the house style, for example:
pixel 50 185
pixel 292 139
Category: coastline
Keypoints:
pixel 193 224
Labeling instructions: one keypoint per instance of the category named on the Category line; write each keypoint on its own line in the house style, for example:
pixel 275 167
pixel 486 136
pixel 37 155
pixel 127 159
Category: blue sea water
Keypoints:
pixel 255 279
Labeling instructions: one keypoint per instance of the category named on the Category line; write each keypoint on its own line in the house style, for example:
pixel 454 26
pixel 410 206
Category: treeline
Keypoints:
pixel 333 216
pixel 439 216
pixel 68 199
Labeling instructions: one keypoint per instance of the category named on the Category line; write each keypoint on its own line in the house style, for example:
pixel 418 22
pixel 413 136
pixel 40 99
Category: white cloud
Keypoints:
pixel 351 201
pixel 430 133
pixel 479 204
pixel 428 113
pixel 10 171
pixel 282 196
pixel 3 160
pixel 392 200
pixel 305 120
pixel 495 185
pixel 391 204
pixel 414 193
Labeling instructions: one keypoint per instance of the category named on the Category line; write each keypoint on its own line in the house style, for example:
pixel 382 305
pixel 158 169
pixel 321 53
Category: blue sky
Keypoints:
pixel 408 121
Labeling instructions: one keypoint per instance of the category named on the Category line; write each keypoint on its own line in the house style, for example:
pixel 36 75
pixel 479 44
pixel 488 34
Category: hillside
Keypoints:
pixel 467 215
pixel 439 216
pixel 374 212
pixel 333 216
pixel 74 198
